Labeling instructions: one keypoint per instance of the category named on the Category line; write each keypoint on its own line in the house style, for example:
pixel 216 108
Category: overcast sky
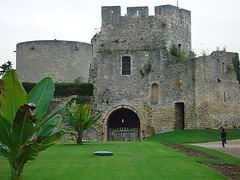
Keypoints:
pixel 215 23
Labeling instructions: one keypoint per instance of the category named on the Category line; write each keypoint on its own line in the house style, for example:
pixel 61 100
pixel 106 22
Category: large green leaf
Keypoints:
pixel 41 95
pixel 82 119
pixel 91 121
pixel 3 151
pixel 23 126
pixel 48 127
pixel 5 133
pixel 54 138
pixel 69 116
pixel 56 109
pixel 28 152
pixel 13 95
pixel 87 110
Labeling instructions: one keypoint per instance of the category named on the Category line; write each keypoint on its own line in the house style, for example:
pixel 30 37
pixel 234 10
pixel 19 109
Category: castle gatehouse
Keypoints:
pixel 140 86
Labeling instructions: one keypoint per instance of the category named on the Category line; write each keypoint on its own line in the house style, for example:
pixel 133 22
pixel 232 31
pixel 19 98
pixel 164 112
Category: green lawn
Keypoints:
pixel 194 136
pixel 131 160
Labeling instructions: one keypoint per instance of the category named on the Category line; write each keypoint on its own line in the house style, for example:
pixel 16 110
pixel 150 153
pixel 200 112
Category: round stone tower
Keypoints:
pixel 63 61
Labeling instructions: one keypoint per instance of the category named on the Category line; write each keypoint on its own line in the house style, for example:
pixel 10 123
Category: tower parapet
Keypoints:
pixel 110 14
pixel 138 11
pixel 137 29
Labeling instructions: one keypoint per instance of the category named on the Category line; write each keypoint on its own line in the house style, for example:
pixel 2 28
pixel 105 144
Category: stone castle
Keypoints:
pixel 139 86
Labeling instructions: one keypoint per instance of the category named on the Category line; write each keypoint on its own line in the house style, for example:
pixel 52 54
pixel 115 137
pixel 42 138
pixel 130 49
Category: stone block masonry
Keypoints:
pixel 199 93
pixel 140 88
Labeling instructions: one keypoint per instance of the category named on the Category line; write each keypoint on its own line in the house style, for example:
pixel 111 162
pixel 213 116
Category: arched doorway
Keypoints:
pixel 179 116
pixel 123 125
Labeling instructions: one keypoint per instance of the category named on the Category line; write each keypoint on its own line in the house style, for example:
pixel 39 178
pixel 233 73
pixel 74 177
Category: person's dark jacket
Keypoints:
pixel 223 135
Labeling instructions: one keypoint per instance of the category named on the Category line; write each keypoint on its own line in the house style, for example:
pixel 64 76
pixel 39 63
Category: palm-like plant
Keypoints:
pixel 78 116
pixel 22 134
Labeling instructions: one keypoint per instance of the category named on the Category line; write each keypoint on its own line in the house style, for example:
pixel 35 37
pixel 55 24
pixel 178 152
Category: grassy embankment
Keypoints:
pixel 131 160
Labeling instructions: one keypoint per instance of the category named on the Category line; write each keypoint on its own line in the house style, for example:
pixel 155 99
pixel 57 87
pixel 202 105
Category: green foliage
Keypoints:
pixel 236 67
pixel 22 135
pixel 116 41
pixel 178 53
pixel 41 95
pixel 28 86
pixel 148 68
pixel 194 136
pixel 66 89
pixel 79 117
pixel 5 67
pixel 130 160
pixel 83 99
pixel 12 95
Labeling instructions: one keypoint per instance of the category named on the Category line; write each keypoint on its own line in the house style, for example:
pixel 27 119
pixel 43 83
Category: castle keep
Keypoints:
pixel 139 86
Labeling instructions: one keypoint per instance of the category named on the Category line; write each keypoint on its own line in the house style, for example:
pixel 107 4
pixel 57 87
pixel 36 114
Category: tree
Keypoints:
pixel 78 116
pixel 236 67
pixel 5 67
pixel 22 134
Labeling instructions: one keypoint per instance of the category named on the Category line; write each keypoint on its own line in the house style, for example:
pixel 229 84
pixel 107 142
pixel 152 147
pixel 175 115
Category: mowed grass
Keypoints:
pixel 131 160
pixel 195 136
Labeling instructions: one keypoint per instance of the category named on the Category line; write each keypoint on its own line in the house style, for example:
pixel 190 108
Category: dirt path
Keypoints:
pixel 232 147
pixel 229 170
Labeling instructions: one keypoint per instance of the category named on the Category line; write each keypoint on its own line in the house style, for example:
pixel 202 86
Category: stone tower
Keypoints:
pixel 142 89
pixel 64 61
pixel 138 31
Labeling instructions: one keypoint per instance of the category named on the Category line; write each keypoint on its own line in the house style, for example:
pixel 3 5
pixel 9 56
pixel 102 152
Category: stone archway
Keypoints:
pixel 123 125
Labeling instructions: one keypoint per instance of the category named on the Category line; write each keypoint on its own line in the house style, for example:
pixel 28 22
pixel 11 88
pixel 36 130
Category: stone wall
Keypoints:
pixel 91 134
pixel 217 91
pixel 169 25
pixel 199 93
pixel 64 61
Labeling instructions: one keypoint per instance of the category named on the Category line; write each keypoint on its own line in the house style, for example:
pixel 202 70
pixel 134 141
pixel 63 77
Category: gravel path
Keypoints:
pixel 232 147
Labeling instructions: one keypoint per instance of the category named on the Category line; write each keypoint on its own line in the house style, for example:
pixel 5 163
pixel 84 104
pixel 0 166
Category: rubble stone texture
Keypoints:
pixel 165 94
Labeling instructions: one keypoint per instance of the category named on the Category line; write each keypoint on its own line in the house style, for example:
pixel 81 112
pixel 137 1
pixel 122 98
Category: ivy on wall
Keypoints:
pixel 178 53
pixel 235 61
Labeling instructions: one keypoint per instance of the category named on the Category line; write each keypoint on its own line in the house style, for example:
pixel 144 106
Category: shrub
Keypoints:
pixel 22 133
pixel 66 89
pixel 178 53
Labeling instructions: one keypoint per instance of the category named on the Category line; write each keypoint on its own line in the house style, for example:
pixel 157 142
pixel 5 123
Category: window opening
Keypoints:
pixel 126 65
pixel 223 67
pixel 154 95
pixel 224 97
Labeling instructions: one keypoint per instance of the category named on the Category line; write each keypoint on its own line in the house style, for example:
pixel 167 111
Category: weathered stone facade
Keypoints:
pixel 199 93
pixel 139 86
pixel 64 61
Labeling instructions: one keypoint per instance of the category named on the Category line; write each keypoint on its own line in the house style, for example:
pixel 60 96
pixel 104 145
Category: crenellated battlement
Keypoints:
pixel 170 24
pixel 113 13
pixel 138 11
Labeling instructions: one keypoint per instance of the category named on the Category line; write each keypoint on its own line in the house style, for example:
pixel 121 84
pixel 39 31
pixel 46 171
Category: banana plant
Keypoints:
pixel 78 116
pixel 23 130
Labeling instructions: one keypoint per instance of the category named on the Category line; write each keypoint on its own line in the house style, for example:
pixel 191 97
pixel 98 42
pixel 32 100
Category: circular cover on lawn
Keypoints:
pixel 103 153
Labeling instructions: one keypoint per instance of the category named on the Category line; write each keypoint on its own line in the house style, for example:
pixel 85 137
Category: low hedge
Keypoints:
pixel 66 89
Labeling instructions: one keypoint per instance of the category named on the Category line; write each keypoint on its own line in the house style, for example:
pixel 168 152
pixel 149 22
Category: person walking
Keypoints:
pixel 224 137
